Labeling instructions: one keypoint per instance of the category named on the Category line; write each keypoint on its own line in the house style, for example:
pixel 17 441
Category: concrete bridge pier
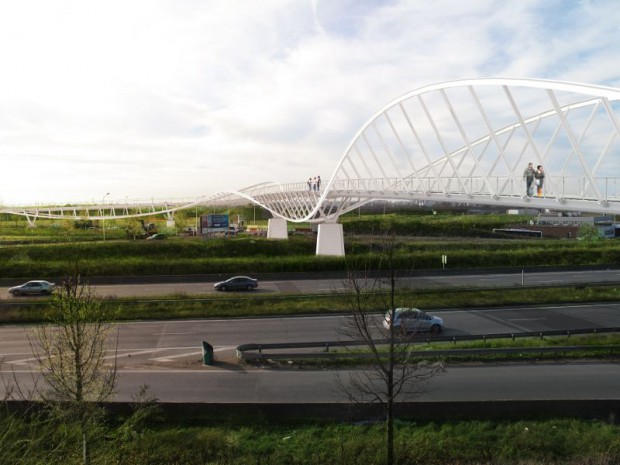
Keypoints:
pixel 170 223
pixel 277 229
pixel 330 240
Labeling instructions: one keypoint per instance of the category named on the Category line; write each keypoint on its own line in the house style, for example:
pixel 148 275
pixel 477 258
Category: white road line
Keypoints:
pixel 170 358
pixel 174 334
pixel 24 361
pixel 132 353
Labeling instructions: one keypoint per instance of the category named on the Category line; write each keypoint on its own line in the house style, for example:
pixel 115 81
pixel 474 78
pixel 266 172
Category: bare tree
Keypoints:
pixel 392 375
pixel 71 353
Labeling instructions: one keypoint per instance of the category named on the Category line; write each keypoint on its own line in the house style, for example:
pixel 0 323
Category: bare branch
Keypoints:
pixel 392 375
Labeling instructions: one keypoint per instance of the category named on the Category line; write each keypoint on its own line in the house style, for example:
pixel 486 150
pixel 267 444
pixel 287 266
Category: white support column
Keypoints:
pixel 276 229
pixel 330 240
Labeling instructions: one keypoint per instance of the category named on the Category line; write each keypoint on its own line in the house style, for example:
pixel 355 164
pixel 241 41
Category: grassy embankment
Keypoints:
pixel 187 255
pixel 36 440
pixel 249 255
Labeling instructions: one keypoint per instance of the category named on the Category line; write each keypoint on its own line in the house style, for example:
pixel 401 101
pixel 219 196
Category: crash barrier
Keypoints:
pixel 274 351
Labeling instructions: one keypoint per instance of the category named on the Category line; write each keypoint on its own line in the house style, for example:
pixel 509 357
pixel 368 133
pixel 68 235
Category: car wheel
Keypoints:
pixel 223 288
pixel 250 287
pixel 45 292
pixel 435 329
pixel 15 293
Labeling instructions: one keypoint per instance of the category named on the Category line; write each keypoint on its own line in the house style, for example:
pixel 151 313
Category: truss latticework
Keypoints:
pixel 468 141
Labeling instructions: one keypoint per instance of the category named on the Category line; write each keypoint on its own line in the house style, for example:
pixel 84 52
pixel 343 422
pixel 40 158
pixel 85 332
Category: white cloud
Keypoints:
pixel 158 98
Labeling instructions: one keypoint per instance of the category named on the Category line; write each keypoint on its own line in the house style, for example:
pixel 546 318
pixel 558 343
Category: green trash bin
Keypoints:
pixel 207 353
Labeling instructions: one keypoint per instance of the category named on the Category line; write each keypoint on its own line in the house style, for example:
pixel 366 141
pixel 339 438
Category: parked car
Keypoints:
pixel 238 283
pixel 33 288
pixel 157 237
pixel 414 319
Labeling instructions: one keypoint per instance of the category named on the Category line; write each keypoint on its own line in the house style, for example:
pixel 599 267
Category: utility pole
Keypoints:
pixel 103 214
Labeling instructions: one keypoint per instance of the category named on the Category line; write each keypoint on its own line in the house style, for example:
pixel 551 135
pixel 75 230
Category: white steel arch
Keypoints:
pixel 465 141
pixel 469 141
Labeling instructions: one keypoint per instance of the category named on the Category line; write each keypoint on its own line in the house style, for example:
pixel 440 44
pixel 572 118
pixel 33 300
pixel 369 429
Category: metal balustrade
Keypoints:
pixel 465 141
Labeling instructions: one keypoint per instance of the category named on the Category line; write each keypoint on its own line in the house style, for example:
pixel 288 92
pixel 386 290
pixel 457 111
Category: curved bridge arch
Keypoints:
pixel 464 141
pixel 469 141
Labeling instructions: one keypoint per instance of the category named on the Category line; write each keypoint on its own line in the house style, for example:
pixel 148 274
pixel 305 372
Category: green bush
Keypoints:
pixel 47 251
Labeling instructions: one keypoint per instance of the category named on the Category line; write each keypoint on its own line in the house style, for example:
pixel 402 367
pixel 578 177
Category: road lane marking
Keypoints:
pixel 174 334
pixel 170 358
pixel 24 361
pixel 132 353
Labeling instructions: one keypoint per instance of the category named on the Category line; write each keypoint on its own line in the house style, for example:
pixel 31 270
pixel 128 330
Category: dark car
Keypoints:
pixel 33 287
pixel 238 283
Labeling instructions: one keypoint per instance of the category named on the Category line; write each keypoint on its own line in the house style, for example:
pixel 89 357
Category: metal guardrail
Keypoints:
pixel 255 352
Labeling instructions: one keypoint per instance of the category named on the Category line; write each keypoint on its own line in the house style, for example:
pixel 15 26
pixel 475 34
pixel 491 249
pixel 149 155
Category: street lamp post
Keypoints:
pixel 103 213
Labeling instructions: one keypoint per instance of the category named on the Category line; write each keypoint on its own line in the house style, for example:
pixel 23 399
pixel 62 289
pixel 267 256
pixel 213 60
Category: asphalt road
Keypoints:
pixel 435 280
pixel 167 356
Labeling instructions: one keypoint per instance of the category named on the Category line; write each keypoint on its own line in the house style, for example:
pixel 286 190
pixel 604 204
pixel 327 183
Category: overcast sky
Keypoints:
pixel 184 98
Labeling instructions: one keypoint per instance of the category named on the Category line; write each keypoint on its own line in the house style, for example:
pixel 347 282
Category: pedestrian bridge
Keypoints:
pixel 466 141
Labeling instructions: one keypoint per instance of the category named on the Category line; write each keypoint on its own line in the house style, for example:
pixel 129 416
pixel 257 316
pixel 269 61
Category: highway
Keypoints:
pixel 432 280
pixel 166 355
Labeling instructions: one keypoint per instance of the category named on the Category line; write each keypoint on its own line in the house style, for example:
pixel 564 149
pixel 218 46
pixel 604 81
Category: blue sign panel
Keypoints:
pixel 217 221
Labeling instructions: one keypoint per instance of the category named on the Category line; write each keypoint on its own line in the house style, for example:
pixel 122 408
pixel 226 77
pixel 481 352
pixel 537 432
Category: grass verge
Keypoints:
pixel 36 440
pixel 29 310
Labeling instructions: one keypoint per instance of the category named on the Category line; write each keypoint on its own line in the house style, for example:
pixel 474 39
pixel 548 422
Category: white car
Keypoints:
pixel 413 319
pixel 32 288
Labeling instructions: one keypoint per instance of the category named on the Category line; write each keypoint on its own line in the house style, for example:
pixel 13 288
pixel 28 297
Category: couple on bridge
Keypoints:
pixel 534 177
pixel 314 184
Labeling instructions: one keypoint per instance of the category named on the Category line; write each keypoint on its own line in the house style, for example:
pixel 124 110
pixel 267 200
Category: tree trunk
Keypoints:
pixel 390 432
pixel 390 408
pixel 85 455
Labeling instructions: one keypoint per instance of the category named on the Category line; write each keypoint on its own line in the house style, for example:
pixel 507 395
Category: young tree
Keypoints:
pixel 392 375
pixel 71 353
pixel 134 228
pixel 588 233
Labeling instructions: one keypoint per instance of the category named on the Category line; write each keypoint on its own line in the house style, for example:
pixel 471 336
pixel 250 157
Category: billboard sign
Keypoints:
pixel 212 223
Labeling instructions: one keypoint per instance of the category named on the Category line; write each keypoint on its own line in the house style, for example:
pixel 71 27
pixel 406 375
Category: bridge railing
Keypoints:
pixel 565 187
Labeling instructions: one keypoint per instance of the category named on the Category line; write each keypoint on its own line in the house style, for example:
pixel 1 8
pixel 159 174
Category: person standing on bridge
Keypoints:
pixel 309 184
pixel 540 179
pixel 528 177
pixel 318 183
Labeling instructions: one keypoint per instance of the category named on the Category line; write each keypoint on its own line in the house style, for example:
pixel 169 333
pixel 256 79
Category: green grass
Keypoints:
pixel 53 247
pixel 590 346
pixel 39 440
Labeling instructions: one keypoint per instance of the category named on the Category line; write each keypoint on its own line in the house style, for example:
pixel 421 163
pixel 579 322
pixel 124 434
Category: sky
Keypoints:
pixel 167 99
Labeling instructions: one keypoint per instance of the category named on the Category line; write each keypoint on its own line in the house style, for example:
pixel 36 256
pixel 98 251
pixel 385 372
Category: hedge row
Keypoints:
pixel 264 256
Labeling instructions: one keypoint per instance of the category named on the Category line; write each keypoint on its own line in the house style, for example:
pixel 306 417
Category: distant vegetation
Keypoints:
pixel 467 240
